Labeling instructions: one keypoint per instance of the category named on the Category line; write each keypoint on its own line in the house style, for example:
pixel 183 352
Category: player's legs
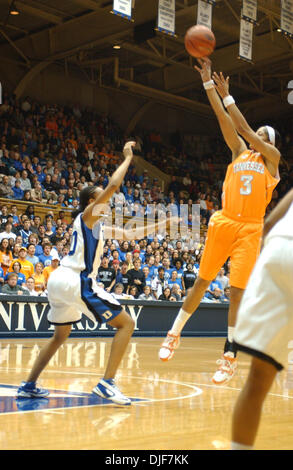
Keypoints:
pixel 189 306
pixel 263 329
pixel 106 387
pixel 248 408
pixel 28 388
pixel 244 253
pixel 228 362
pixel 60 336
pixel 236 295
pixel 218 244
pixel 125 326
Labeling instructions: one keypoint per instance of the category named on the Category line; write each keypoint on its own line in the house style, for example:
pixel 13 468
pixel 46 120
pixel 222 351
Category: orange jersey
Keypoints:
pixel 248 188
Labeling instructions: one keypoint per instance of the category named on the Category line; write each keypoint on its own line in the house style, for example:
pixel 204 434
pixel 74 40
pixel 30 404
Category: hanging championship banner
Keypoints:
pixel 166 16
pixel 245 46
pixel 249 10
pixel 204 13
pixel 287 17
pixel 122 8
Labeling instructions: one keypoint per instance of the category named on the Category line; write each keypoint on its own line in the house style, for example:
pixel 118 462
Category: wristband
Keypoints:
pixel 228 100
pixel 208 85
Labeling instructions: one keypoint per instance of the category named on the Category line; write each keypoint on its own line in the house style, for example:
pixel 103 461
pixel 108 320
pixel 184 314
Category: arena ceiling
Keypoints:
pixel 82 33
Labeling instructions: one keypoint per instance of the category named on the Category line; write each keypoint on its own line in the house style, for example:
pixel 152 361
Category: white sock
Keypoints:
pixel 237 446
pixel 179 322
pixel 231 333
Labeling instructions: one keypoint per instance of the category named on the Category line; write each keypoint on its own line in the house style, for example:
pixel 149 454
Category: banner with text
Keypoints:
pixel 249 11
pixel 287 17
pixel 204 13
pixel 123 8
pixel 27 317
pixel 166 16
pixel 245 45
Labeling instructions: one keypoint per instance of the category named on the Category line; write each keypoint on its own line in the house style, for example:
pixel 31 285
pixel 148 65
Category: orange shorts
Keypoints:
pixel 228 238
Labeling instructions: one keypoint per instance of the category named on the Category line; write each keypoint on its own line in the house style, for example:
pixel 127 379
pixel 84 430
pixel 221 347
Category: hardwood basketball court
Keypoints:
pixel 175 407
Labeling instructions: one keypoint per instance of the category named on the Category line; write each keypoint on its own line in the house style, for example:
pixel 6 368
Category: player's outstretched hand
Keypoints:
pixel 205 69
pixel 127 150
pixel 221 84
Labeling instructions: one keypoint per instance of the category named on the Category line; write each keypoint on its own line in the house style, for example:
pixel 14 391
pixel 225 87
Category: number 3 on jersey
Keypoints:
pixel 246 188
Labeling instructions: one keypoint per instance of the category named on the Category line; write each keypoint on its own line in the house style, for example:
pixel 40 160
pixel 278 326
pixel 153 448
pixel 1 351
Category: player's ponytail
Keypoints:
pixel 274 136
pixel 278 140
pixel 85 195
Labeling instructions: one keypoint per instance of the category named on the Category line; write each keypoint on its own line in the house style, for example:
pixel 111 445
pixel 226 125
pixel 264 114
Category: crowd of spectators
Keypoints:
pixel 148 269
pixel 49 153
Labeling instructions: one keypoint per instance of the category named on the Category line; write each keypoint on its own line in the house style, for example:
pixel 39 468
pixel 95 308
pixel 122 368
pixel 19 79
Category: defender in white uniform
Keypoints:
pixel 72 291
pixel 265 317
pixel 75 280
pixel 265 321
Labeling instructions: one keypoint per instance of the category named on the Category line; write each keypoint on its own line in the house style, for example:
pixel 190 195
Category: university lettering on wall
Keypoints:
pixel 28 317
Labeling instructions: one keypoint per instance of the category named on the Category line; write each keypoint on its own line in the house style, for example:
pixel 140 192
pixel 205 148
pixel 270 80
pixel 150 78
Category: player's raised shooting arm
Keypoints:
pixel 231 137
pixel 278 212
pixel 91 213
pixel 268 151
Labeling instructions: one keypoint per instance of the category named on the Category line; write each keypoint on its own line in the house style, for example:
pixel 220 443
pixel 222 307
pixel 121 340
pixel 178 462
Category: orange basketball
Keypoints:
pixel 199 41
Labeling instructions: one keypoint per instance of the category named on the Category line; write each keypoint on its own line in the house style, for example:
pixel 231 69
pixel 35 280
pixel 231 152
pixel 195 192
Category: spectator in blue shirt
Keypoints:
pixel 46 258
pixel 13 211
pixel 226 297
pixel 16 163
pixel 147 275
pixel 18 192
pixel 128 196
pixel 122 250
pixel 39 172
pixel 213 286
pixel 178 267
pixel 150 265
pixel 174 280
pixel 216 295
pixel 25 232
pixel 168 270
pixel 125 187
pixel 16 267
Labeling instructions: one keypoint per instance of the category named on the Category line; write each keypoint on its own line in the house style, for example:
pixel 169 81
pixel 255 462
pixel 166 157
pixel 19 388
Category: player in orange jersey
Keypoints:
pixel 236 230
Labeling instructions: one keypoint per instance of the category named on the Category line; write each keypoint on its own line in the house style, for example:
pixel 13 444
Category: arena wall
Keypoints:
pixel 27 317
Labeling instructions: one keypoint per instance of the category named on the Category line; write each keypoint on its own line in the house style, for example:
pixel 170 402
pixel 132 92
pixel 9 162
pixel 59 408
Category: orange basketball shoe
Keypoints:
pixel 226 370
pixel 171 342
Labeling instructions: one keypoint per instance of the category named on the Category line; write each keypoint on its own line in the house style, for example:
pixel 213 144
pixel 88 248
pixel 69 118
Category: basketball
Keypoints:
pixel 199 41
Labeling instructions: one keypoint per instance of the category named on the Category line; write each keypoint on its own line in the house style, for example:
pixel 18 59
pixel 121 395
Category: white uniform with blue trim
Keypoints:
pixel 264 324
pixel 72 287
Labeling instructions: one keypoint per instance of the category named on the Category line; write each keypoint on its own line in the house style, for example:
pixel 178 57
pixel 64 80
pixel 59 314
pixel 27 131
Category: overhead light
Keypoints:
pixel 279 30
pixel 13 10
pixel 116 46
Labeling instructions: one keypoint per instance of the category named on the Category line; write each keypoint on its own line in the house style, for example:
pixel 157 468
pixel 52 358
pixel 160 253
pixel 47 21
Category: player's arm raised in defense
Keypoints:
pixel 267 150
pixel 232 139
pixel 93 212
pixel 278 212
pixel 143 230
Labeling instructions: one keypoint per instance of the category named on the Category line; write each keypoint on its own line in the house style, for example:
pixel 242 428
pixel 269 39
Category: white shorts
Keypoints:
pixel 265 318
pixel 71 294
